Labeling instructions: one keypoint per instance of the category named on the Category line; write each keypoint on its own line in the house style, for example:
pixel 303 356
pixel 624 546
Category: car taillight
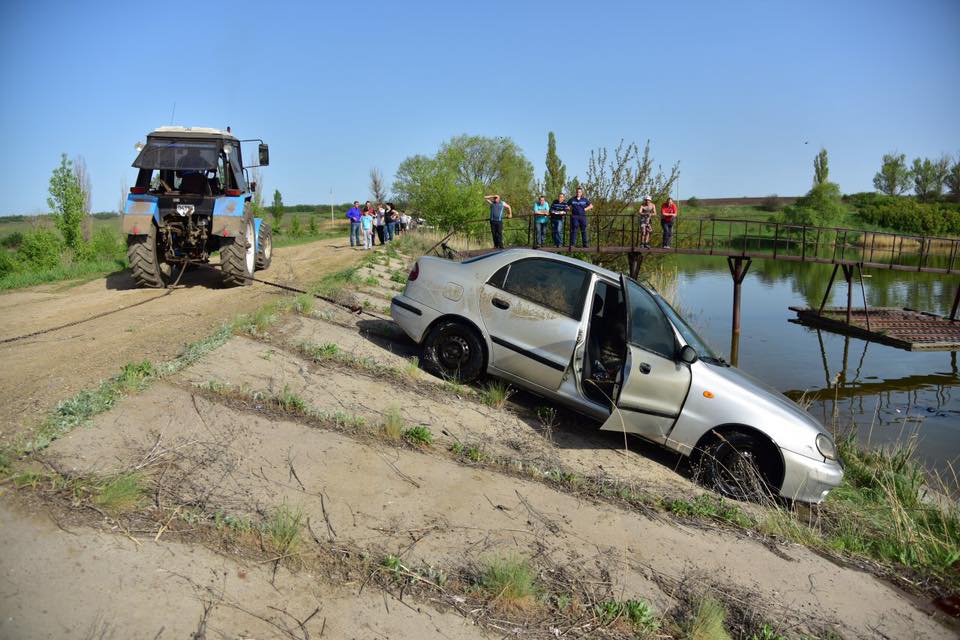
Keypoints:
pixel 232 192
pixel 138 190
pixel 414 272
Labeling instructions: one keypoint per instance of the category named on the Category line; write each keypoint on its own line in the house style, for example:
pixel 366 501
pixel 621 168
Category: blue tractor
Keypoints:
pixel 193 198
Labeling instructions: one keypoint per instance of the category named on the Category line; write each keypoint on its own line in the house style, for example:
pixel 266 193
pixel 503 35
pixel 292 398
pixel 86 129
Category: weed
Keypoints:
pixel 412 368
pixel 709 506
pixel 235 524
pixel 121 493
pixel 509 579
pixel 707 624
pixel 637 612
pixel 454 387
pixel 392 563
pixel 303 303
pixel 393 424
pixel 548 420
pixel 371 281
pixel 282 529
pixel 419 435
pixel 399 277
pixel 496 394
pixel 767 633
pixel 457 448
pixel 135 376
pixel 256 323
pixel 327 350
pixel 291 402
pixel 475 454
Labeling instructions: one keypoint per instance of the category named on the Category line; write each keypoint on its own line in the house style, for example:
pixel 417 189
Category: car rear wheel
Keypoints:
pixel 739 465
pixel 454 351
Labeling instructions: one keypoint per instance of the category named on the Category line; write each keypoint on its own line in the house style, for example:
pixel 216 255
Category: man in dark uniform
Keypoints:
pixel 579 207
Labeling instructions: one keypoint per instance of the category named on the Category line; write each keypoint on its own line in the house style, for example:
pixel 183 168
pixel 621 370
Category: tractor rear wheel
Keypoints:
pixel 238 258
pixel 147 264
pixel 265 244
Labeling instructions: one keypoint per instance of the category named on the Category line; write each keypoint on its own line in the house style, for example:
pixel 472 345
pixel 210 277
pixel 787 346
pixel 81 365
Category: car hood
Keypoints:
pixel 771 395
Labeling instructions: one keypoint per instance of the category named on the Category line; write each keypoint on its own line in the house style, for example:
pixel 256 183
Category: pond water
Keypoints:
pixel 886 394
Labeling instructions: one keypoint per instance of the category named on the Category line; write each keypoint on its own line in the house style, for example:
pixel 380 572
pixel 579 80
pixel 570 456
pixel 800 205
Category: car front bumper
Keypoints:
pixel 809 480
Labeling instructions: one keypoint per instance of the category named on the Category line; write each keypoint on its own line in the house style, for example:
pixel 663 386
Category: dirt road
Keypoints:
pixel 40 371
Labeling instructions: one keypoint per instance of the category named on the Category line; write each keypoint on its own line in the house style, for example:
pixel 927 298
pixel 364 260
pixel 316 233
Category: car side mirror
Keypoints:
pixel 688 354
pixel 264 155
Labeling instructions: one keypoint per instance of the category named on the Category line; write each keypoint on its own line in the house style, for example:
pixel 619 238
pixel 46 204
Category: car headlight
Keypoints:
pixel 826 447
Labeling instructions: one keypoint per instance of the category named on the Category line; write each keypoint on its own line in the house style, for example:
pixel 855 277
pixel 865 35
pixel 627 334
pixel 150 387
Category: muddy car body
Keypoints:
pixel 612 349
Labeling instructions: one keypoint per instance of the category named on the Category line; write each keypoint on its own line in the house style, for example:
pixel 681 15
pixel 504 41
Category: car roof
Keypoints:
pixel 515 254
pixel 190 132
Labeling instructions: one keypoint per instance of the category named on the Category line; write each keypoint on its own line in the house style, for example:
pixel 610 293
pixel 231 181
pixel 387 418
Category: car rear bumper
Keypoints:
pixel 809 480
pixel 412 316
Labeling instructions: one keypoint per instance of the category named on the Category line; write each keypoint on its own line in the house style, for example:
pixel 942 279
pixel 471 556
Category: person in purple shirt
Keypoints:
pixel 578 219
pixel 353 215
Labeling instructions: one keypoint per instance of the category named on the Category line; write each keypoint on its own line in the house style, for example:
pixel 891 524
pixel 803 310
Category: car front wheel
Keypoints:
pixel 454 351
pixel 737 464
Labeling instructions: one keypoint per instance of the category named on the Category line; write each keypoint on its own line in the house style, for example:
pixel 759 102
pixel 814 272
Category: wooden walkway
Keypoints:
pixel 902 328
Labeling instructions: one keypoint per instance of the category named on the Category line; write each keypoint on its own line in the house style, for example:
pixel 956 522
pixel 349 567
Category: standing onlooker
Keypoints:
pixel 558 211
pixel 366 228
pixel 353 215
pixel 579 207
pixel 668 213
pixel 496 218
pixel 646 213
pixel 540 209
pixel 404 222
pixel 378 223
pixel 390 221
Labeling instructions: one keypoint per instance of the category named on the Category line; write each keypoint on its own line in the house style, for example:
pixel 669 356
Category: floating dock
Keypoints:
pixel 902 328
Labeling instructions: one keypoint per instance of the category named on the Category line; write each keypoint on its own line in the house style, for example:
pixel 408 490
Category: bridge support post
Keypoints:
pixel 826 294
pixel 956 304
pixel 635 261
pixel 848 276
pixel 738 271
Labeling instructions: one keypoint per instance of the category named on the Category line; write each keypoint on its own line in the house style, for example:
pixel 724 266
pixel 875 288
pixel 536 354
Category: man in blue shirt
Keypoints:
pixel 540 213
pixel 579 207
pixel 496 218
pixel 558 211
pixel 353 215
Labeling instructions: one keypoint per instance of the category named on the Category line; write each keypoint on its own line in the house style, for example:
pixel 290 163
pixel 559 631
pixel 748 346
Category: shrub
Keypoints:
pixel 908 215
pixel 821 207
pixel 296 229
pixel 312 228
pixel 40 249
pixel 105 243
pixel 7 263
pixel 772 203
pixel 12 241
pixel 693 201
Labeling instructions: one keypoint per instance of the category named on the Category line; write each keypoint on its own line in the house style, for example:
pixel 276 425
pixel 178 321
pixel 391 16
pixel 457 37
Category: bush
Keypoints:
pixel 909 216
pixel 772 203
pixel 821 207
pixel 7 263
pixel 40 249
pixel 693 201
pixel 296 229
pixel 12 241
pixel 105 243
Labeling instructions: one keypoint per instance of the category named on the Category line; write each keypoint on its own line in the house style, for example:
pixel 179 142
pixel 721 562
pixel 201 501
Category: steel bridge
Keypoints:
pixel 741 241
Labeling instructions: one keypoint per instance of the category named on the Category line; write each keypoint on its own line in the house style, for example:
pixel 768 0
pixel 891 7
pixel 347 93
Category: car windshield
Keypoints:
pixel 179 155
pixel 690 336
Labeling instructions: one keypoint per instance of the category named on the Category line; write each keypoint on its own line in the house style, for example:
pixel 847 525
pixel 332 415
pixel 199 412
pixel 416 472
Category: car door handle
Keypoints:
pixel 500 304
pixel 644 367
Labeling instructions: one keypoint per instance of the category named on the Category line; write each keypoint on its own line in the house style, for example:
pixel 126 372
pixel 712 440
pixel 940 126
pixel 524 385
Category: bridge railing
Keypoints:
pixel 739 237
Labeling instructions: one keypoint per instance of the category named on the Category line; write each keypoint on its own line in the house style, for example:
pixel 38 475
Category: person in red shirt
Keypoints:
pixel 668 213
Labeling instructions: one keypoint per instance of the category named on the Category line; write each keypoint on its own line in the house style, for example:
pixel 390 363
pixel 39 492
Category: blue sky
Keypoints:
pixel 731 90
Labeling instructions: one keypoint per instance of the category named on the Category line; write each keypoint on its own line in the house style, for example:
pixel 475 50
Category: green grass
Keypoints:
pixel 371 281
pixel 399 277
pixel 257 322
pixel 120 494
pixel 710 507
pixel 303 303
pixel 291 402
pixel 708 623
pixel 283 529
pixel 419 435
pixel 82 271
pixel 496 394
pixel 509 579
pixel 235 524
pixel 637 613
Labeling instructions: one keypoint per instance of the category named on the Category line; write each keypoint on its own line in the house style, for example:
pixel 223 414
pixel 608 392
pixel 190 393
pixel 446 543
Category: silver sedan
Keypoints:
pixel 616 351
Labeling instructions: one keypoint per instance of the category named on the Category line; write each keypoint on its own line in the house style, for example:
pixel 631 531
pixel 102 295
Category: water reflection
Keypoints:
pixel 886 394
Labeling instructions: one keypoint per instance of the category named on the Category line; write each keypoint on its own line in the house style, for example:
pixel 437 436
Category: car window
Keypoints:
pixel 649 328
pixel 549 283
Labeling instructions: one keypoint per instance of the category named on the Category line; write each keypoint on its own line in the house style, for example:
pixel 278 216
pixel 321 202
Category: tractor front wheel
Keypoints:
pixel 238 258
pixel 146 259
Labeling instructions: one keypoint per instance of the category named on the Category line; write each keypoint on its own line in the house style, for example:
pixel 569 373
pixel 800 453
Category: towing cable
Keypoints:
pixel 356 309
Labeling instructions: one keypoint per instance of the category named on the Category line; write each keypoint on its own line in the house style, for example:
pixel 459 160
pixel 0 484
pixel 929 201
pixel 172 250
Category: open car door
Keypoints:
pixel 654 381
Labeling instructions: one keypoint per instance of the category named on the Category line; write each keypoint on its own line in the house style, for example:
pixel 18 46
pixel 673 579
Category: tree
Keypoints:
pixel 377 189
pixel 929 177
pixel 122 203
pixel 555 177
pixel 894 176
pixel 277 208
pixel 615 182
pixel 256 203
pixel 83 179
pixel 953 179
pixel 447 189
pixel 66 203
pixel 821 170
